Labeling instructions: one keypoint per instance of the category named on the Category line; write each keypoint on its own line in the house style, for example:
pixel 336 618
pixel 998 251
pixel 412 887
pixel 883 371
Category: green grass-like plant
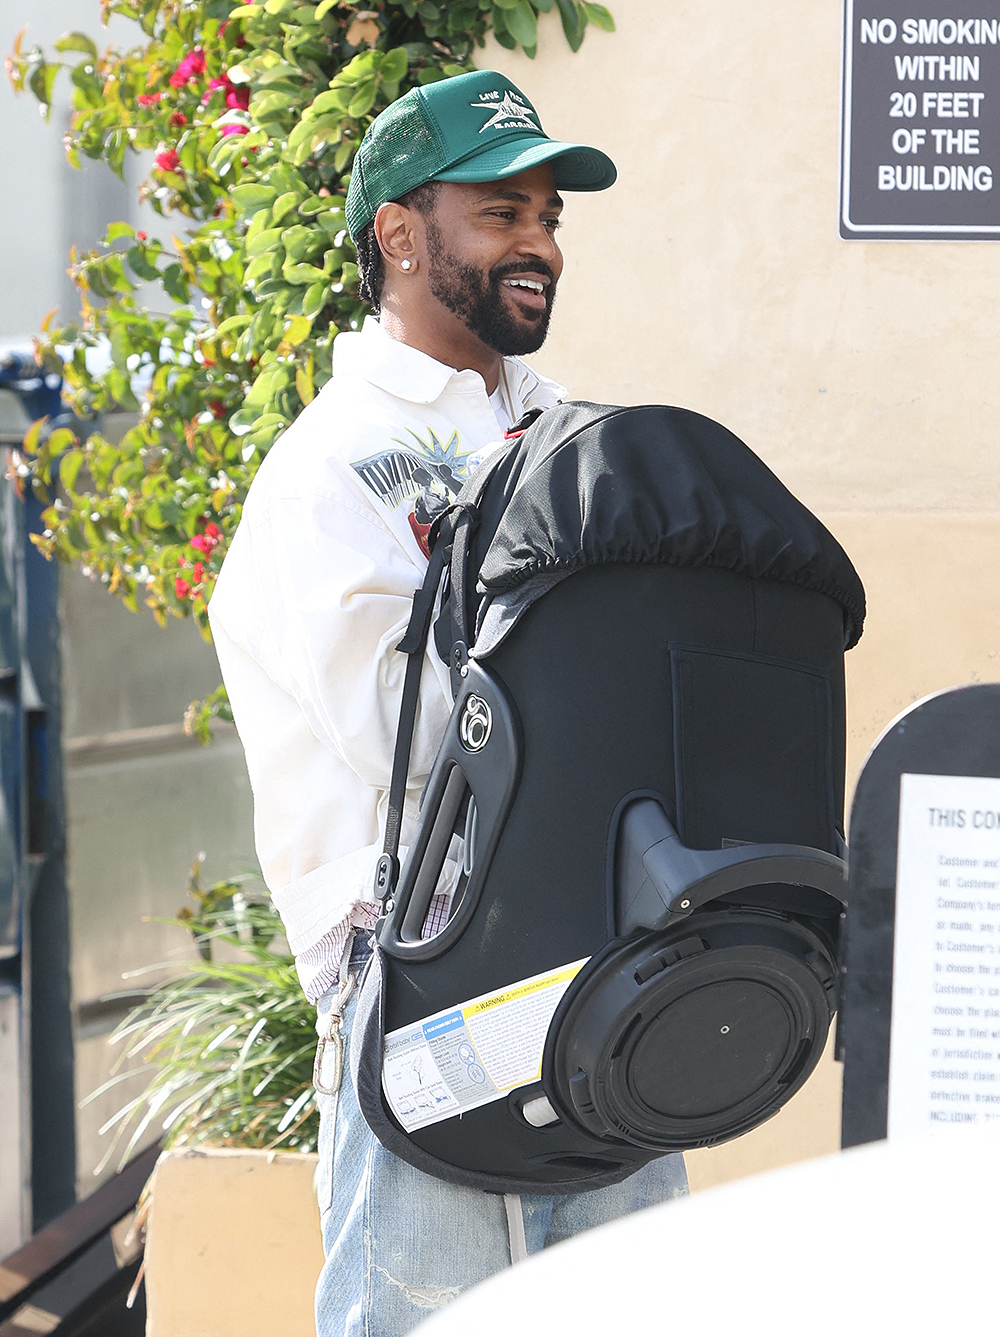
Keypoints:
pixel 227 1045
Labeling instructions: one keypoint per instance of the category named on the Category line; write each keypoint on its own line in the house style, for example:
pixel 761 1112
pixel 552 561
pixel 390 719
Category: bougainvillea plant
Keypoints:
pixel 247 117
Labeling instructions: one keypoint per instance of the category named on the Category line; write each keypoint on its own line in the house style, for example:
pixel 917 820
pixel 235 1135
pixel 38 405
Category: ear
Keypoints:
pixel 395 233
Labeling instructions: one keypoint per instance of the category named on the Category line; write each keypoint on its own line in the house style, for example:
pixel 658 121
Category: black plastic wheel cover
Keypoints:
pixel 676 1051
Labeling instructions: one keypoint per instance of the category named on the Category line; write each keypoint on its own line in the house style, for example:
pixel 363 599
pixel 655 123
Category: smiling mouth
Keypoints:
pixel 527 293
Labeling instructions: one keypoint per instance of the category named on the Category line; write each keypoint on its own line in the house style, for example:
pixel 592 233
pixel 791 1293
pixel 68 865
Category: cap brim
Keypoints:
pixel 576 166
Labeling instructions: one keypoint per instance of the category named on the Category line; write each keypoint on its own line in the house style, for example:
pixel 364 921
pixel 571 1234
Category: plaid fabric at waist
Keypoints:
pixel 319 967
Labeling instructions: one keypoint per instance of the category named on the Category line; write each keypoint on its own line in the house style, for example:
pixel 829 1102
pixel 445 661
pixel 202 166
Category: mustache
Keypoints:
pixel 515 268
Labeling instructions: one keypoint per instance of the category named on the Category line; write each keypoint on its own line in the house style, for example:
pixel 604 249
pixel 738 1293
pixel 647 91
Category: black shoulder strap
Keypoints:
pixel 413 645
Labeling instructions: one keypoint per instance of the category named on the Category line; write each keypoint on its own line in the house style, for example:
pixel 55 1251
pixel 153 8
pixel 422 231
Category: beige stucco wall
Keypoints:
pixel 712 276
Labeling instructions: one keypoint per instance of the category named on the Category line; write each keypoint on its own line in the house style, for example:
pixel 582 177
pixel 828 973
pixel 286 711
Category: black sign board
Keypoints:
pixel 920 138
pixel 919 1028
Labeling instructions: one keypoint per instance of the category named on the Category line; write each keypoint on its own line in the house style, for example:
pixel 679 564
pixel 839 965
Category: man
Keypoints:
pixel 453 205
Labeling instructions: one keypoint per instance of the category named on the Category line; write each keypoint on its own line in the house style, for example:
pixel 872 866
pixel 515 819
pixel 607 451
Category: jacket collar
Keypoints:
pixel 409 374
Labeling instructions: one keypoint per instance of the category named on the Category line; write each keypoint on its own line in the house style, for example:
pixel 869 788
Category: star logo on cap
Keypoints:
pixel 508 113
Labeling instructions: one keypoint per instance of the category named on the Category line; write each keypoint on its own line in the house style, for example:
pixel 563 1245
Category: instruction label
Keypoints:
pixel 469 1055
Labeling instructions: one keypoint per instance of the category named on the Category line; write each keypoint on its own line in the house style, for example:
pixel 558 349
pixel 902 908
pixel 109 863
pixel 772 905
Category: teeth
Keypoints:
pixel 525 283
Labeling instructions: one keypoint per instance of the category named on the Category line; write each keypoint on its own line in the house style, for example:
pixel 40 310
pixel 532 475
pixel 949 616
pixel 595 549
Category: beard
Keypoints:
pixel 476 298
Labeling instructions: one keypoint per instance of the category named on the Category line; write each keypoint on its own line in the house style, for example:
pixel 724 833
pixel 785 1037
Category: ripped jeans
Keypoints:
pixel 400 1243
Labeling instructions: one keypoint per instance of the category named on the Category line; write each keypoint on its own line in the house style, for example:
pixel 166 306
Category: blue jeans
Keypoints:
pixel 400 1243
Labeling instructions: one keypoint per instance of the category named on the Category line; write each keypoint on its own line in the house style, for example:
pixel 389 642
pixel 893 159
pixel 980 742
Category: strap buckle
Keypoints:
pixel 386 875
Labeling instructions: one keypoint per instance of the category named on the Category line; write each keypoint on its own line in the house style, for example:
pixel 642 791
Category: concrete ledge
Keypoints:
pixel 233 1244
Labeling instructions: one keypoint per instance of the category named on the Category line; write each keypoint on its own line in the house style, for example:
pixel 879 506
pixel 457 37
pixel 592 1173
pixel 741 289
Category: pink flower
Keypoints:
pixel 214 84
pixel 234 130
pixel 238 99
pixel 148 99
pixel 167 160
pixel 178 118
pixel 204 543
pixel 182 588
pixel 198 572
pixel 190 67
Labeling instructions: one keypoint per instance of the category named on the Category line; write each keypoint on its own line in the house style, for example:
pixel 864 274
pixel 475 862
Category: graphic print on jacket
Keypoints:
pixel 427 475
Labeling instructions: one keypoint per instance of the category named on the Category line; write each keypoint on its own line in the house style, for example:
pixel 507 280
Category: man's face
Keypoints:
pixel 493 260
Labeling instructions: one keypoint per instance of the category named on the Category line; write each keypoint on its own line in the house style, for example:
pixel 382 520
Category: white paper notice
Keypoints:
pixel 468 1055
pixel 944 1065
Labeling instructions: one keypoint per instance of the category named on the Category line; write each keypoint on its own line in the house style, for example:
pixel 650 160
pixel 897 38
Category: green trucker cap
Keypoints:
pixel 472 127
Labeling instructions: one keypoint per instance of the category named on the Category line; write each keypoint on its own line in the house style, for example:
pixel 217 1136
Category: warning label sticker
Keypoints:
pixel 466 1056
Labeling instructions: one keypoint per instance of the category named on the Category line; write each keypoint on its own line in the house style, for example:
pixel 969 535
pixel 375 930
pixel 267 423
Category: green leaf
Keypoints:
pixel 116 230
pixel 175 282
pixel 264 241
pixel 315 299
pixel 332 222
pixel 282 71
pixel 250 198
pixel 283 205
pixel 573 22
pixel 61 439
pixel 522 23
pixel 395 64
pixel 364 99
pixel 333 99
pixel 302 274
pixel 30 442
pixel 245 12
pixel 136 260
pixel 599 16
pixel 242 420
pixel 323 8
pixel 234 324
pixel 260 222
pixel 69 468
pixel 300 241
pixel 76 41
pixel 297 331
pixel 261 266
pixel 41 81
pixel 225 151
pixel 313 204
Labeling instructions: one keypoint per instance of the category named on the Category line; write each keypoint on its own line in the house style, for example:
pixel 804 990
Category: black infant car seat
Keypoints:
pixel 637 805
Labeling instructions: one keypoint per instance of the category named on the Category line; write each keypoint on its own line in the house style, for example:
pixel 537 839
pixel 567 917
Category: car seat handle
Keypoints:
pixel 659 880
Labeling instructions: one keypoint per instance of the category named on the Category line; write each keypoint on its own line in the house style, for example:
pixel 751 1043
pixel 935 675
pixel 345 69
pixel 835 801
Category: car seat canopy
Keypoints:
pixel 602 485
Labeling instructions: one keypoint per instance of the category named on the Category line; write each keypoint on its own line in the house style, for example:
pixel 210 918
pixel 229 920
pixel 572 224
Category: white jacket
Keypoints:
pixel 314 596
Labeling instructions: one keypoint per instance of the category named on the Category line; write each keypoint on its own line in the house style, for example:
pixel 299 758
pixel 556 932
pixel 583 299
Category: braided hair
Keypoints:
pixel 371 267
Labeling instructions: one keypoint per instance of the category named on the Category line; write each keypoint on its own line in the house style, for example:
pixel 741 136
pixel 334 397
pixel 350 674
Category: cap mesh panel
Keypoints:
pixel 405 152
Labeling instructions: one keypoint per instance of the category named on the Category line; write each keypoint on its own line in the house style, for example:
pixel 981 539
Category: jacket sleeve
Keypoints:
pixel 334 588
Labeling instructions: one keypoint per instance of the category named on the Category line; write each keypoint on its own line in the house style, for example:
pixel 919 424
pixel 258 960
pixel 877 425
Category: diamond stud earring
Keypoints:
pixel 404 264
